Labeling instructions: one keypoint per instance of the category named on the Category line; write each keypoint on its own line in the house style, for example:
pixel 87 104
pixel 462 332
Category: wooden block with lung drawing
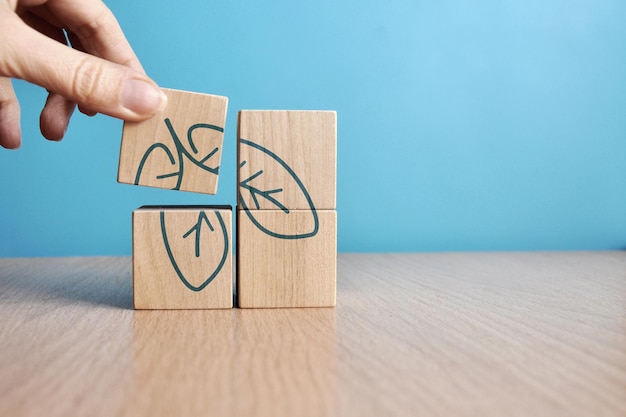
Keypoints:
pixel 178 149
pixel 287 160
pixel 182 257
pixel 286 259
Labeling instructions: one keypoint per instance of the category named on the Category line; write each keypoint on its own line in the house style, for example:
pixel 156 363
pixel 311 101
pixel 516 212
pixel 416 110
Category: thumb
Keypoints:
pixel 92 82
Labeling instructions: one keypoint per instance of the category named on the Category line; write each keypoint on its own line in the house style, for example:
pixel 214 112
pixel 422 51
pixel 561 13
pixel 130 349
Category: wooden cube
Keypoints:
pixel 178 149
pixel 286 259
pixel 287 159
pixel 182 257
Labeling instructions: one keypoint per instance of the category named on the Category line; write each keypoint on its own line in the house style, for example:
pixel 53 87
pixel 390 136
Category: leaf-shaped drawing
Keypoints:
pixel 272 196
pixel 204 141
pixel 159 155
pixel 203 247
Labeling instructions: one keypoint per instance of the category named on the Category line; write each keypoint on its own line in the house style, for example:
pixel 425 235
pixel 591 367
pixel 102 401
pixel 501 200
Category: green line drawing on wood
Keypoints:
pixel 182 154
pixel 272 195
pixel 197 229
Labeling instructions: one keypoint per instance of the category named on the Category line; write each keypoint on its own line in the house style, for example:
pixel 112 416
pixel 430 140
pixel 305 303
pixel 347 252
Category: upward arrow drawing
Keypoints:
pixel 198 228
pixel 267 194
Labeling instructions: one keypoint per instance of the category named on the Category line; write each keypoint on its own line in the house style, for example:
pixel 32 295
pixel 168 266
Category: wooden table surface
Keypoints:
pixel 462 334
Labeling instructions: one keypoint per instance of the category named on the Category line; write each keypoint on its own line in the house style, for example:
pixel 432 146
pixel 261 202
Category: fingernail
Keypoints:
pixel 141 97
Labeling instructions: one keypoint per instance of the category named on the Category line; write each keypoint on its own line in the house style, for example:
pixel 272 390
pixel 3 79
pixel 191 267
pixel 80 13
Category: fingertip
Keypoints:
pixel 55 117
pixel 51 129
pixel 141 99
pixel 11 146
pixel 10 138
pixel 10 130
pixel 87 111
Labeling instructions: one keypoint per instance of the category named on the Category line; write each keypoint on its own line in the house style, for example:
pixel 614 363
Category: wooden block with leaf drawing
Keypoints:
pixel 286 234
pixel 182 257
pixel 178 149
pixel 298 148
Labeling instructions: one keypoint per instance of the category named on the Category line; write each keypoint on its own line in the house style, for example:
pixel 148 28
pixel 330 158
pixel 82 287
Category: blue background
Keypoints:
pixel 486 125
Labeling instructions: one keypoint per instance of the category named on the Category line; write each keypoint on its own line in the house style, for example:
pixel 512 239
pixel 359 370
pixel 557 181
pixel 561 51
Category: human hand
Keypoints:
pixel 99 72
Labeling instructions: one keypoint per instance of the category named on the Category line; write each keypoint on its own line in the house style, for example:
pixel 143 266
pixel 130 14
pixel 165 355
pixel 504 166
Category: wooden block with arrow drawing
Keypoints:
pixel 287 159
pixel 182 257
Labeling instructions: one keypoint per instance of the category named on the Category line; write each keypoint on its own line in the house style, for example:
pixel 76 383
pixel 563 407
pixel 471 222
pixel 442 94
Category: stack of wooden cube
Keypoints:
pixel 286 210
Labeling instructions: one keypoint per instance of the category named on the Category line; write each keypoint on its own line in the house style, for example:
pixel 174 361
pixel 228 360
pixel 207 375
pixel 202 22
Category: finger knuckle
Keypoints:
pixel 88 77
pixel 93 26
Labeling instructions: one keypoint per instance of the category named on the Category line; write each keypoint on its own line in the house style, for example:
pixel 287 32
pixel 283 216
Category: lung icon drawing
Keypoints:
pixel 256 188
pixel 188 151
pixel 204 245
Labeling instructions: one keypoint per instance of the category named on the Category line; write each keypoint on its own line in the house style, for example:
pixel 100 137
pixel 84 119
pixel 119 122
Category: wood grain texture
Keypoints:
pixel 515 334
pixel 291 156
pixel 286 272
pixel 179 148
pixel 182 257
